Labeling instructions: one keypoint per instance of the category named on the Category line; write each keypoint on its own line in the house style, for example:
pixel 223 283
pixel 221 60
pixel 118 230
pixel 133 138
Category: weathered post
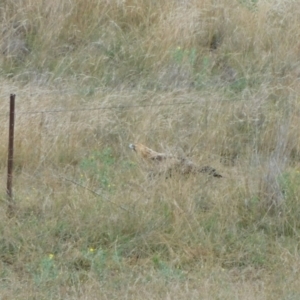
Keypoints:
pixel 10 208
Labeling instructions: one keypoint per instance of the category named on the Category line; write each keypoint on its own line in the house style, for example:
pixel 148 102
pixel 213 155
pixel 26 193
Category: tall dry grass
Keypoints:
pixel 217 82
pixel 116 43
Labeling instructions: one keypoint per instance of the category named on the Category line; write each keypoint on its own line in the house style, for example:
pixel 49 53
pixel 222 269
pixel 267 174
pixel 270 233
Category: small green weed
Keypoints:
pixel 91 259
pixel 99 167
pixel 47 270
pixel 166 271
pixel 250 4
pixel 181 56
pixel 289 182
pixel 99 260
pixel 203 72
pixel 238 85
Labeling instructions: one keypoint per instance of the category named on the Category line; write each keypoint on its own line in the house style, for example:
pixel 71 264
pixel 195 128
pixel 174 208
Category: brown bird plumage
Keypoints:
pixel 183 165
pixel 148 153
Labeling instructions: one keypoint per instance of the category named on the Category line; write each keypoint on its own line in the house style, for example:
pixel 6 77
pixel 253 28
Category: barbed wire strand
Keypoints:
pixel 100 108
pixel 94 192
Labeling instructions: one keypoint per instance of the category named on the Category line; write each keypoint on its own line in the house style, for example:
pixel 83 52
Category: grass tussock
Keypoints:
pixel 217 83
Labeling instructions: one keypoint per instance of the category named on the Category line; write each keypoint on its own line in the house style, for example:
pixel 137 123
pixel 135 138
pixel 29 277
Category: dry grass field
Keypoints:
pixel 217 82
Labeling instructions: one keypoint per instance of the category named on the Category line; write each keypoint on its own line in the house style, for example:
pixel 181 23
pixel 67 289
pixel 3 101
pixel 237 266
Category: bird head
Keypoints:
pixel 132 147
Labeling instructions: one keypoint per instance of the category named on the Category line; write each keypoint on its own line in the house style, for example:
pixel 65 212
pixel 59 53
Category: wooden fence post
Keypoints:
pixel 11 206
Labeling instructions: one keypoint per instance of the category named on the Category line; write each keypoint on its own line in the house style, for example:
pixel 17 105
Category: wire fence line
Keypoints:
pixel 100 108
pixel 14 112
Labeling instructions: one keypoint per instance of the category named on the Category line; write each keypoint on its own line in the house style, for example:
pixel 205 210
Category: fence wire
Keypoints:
pixel 100 108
